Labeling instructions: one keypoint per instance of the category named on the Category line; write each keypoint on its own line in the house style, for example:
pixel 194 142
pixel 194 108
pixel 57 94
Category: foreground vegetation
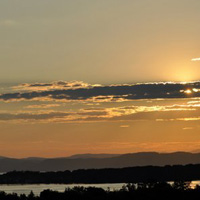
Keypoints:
pixel 147 191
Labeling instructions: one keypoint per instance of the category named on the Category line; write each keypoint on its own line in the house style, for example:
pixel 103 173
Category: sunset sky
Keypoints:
pixel 99 76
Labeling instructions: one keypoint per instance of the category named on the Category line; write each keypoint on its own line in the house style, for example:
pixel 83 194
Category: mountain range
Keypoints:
pixel 98 161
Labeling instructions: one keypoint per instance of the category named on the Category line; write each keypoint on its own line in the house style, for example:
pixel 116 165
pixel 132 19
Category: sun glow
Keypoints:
pixel 188 91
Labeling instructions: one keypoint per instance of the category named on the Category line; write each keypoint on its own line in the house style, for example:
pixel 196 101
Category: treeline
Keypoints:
pixel 141 191
pixel 123 175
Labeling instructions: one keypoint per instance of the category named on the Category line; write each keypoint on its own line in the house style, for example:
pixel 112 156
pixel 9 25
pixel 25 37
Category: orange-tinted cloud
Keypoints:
pixel 56 85
pixel 127 113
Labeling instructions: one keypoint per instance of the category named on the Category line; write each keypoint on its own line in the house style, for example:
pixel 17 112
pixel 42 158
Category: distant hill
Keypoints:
pixel 94 155
pixel 89 161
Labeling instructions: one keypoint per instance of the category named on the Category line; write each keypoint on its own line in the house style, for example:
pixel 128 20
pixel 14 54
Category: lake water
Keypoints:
pixel 37 188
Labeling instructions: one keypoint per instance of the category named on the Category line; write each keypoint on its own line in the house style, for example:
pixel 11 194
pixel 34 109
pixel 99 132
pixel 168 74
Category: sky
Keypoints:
pixel 93 76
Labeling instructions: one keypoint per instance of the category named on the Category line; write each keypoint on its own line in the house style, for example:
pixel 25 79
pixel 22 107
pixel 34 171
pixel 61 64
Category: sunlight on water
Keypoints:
pixel 37 188
pixel 194 183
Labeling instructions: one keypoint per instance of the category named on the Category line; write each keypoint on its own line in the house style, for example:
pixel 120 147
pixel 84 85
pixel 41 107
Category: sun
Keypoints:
pixel 188 91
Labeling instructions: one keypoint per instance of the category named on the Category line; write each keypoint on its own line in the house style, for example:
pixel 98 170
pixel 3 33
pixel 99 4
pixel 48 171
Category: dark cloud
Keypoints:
pixel 112 92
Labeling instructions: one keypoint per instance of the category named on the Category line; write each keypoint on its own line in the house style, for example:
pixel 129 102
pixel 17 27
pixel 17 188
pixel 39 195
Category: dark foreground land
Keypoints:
pixel 146 191
pixel 123 175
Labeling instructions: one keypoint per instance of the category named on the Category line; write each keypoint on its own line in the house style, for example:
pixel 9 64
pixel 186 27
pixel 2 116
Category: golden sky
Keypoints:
pixel 61 118
pixel 105 76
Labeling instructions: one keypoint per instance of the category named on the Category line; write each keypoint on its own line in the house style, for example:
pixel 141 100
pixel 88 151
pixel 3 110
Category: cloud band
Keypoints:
pixel 109 93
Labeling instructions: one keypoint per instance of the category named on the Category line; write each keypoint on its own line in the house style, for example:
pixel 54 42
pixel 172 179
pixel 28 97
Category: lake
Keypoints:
pixel 37 188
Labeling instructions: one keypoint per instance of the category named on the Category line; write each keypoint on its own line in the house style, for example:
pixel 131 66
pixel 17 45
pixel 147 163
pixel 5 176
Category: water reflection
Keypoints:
pixel 37 188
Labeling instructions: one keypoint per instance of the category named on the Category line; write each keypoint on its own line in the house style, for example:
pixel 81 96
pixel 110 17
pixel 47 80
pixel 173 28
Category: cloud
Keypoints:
pixel 126 113
pixel 90 95
pixel 43 106
pixel 56 85
pixel 124 126
pixel 83 92
pixel 188 128
pixel 195 59
pixel 32 116
pixel 51 116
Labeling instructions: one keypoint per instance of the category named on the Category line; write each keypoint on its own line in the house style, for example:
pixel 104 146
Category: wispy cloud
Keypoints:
pixel 56 85
pixel 124 126
pixel 42 106
pixel 127 113
pixel 188 128
pixel 195 59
